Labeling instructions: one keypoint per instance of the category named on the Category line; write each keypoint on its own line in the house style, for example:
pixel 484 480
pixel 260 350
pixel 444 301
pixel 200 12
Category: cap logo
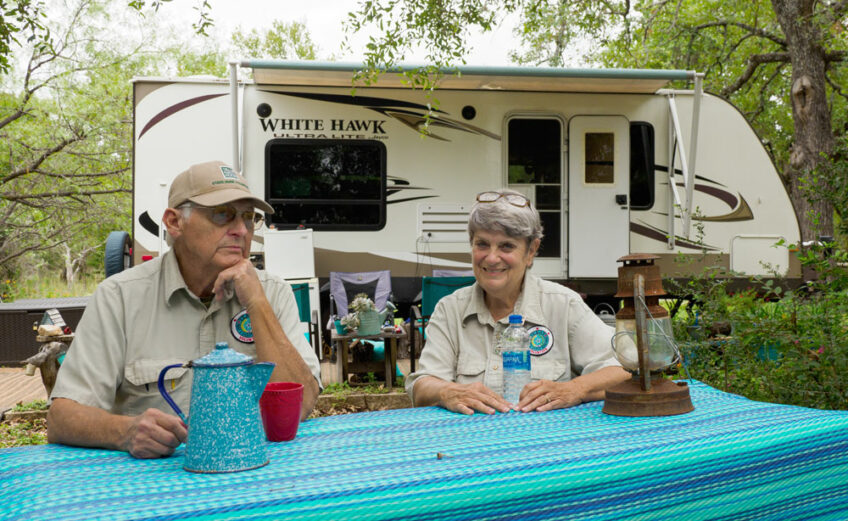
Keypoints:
pixel 229 173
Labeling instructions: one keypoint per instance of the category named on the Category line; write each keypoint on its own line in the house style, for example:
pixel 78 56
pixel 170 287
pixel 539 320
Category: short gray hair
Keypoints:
pixel 185 211
pixel 501 216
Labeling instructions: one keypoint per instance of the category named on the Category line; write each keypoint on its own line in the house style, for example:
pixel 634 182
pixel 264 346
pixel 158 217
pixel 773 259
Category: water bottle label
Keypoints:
pixel 516 360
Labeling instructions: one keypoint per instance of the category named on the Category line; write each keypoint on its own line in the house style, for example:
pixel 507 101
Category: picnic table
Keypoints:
pixel 731 458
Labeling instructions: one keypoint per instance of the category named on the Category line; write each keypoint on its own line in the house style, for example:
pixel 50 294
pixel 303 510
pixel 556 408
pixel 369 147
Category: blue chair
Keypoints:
pixel 432 290
pixel 301 296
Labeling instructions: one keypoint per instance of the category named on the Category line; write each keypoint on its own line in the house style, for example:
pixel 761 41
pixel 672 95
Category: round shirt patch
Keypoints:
pixel 541 340
pixel 240 327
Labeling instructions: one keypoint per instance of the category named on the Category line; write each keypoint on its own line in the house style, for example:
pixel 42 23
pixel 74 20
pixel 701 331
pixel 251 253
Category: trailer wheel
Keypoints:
pixel 118 255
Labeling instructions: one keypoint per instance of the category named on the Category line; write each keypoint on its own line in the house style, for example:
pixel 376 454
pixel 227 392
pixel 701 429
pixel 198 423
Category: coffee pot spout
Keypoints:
pixel 259 375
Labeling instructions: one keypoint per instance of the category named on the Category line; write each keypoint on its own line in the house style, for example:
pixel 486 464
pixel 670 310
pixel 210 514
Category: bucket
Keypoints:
pixel 369 323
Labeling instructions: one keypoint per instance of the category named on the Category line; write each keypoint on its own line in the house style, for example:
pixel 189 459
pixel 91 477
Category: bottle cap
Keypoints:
pixel 515 319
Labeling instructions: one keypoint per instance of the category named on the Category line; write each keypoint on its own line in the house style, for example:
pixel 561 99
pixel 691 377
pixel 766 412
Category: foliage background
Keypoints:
pixel 66 125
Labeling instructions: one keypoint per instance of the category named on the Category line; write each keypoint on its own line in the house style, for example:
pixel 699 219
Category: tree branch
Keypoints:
pixel 751 29
pixel 754 61
pixel 39 160
pixel 66 193
pixel 83 175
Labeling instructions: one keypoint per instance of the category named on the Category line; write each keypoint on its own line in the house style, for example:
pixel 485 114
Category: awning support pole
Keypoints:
pixel 693 150
pixel 236 161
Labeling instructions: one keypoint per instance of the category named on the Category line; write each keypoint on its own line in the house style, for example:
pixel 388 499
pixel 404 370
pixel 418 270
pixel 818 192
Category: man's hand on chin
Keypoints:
pixel 242 278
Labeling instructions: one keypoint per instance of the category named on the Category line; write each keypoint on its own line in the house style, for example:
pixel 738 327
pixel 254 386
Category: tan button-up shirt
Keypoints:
pixel 145 318
pixel 566 338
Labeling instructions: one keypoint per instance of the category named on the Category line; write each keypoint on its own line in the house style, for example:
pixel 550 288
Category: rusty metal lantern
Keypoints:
pixel 644 345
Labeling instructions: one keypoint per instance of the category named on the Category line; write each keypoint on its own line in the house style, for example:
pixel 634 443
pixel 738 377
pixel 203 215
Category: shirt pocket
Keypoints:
pixel 139 390
pixel 553 370
pixel 470 370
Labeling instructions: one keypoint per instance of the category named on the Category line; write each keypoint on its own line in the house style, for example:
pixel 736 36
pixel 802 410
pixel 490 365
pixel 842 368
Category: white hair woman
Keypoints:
pixel 460 370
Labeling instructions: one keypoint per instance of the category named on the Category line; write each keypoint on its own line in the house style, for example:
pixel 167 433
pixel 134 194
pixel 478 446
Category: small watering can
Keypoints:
pixel 371 322
pixel 225 431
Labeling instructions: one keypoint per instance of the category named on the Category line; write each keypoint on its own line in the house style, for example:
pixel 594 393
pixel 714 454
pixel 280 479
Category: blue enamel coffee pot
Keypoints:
pixel 225 431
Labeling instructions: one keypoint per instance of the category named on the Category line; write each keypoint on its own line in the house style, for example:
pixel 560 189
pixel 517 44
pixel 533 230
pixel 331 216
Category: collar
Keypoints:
pixel 171 276
pixel 174 281
pixel 528 305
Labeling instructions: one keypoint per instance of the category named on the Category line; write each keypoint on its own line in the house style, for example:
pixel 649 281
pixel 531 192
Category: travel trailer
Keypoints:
pixel 616 162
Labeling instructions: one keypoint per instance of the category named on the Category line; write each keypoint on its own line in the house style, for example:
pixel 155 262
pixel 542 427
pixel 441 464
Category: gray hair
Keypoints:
pixel 501 216
pixel 185 211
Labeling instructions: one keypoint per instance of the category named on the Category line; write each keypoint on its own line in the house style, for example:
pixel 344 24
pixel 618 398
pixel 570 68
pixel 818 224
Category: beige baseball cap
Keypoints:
pixel 210 184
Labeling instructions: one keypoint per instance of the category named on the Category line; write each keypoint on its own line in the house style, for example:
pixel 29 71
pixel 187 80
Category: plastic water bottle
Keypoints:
pixel 515 350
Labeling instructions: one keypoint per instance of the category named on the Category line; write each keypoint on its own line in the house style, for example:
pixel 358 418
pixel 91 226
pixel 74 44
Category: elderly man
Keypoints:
pixel 175 308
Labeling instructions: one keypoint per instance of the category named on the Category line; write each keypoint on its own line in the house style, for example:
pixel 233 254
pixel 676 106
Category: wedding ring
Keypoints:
pixel 547 399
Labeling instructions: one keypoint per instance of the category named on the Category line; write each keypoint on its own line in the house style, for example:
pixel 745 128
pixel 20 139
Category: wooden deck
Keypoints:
pixel 16 387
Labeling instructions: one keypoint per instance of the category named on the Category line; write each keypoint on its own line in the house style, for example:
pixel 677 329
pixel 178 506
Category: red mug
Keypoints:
pixel 280 406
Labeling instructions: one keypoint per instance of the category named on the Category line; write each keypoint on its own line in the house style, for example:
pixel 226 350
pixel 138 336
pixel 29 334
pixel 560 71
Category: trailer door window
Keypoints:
pixel 534 150
pixel 599 154
pixel 326 184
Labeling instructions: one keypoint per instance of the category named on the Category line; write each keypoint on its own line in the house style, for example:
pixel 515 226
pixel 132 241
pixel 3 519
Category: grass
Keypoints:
pixel 344 389
pixel 46 285
pixel 36 405
pixel 22 433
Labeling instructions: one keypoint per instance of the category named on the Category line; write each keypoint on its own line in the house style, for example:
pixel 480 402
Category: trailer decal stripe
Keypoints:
pixel 347 99
pixel 659 235
pixel 173 109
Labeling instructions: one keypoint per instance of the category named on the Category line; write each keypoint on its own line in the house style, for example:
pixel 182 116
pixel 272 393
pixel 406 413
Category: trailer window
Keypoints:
pixel 641 165
pixel 600 158
pixel 326 184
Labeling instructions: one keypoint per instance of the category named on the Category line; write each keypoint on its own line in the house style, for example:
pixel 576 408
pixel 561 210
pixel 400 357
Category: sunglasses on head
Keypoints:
pixel 513 199
pixel 224 214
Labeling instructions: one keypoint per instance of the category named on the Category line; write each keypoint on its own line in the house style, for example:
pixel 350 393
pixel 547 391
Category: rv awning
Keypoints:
pixel 544 79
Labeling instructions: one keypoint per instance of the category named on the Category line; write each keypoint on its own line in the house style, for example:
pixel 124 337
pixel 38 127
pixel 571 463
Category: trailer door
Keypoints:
pixel 599 184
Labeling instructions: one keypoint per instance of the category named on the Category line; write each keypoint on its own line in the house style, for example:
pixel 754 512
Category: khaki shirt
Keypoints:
pixel 143 319
pixel 566 338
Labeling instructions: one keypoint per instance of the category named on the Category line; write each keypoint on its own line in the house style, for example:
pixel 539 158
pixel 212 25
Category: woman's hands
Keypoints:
pixel 467 398
pixel 545 395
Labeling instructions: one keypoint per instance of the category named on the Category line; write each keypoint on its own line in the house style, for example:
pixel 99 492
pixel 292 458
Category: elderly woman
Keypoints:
pixel 460 370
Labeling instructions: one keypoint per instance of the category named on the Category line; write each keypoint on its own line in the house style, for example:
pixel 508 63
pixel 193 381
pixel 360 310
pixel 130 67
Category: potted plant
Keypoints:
pixel 366 312
pixel 347 323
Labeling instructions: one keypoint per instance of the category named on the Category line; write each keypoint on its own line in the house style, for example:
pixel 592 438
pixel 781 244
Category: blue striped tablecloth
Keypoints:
pixel 731 458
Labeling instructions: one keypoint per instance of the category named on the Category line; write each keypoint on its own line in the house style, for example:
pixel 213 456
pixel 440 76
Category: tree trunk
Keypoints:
pixel 69 266
pixel 813 134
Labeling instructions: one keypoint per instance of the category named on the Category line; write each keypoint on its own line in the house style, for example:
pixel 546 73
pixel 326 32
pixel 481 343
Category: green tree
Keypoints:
pixel 65 139
pixel 66 126
pixel 283 41
pixel 20 19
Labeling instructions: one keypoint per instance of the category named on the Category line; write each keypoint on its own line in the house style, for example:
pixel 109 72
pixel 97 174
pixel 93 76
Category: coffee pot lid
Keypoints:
pixel 222 356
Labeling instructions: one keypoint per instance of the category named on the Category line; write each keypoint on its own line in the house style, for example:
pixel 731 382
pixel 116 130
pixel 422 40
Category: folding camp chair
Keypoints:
pixel 301 296
pixel 453 273
pixel 432 290
pixel 344 286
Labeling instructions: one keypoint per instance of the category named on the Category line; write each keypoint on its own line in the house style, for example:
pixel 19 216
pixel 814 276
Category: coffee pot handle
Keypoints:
pixel 167 396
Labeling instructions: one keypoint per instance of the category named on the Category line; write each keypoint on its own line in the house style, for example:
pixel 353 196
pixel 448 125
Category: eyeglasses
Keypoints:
pixel 223 214
pixel 513 199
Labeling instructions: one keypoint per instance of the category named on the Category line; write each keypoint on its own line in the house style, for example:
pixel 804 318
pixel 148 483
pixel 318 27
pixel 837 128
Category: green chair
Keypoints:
pixel 432 290
pixel 304 308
